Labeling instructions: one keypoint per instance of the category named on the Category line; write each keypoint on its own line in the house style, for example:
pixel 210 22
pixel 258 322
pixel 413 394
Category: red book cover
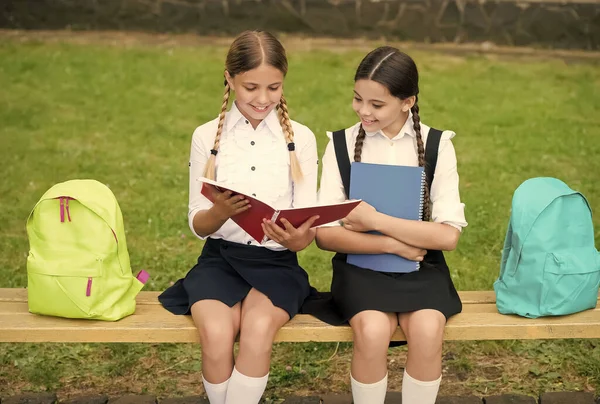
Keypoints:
pixel 251 219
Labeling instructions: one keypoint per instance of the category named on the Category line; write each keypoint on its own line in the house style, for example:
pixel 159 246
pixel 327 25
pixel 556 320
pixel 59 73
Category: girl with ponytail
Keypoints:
pixel 390 131
pixel 240 286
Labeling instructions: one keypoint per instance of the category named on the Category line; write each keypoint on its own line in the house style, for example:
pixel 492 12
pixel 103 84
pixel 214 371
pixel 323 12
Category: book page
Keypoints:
pixel 327 213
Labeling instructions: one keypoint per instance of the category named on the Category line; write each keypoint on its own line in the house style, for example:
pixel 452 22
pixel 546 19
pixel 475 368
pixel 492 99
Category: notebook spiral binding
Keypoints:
pixel 422 200
pixel 422 203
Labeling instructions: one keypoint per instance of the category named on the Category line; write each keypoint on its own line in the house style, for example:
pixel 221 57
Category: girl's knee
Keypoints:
pixel 217 335
pixel 426 329
pixel 371 332
pixel 258 332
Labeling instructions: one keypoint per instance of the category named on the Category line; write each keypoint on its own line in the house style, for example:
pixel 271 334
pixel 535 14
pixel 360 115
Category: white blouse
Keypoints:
pixel 400 150
pixel 255 162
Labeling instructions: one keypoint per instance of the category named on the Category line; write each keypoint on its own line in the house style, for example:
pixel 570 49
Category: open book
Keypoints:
pixel 251 219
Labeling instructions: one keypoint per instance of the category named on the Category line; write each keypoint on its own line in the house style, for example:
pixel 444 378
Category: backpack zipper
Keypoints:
pixel 67 208
pixel 88 290
pixel 62 209
pixel 64 206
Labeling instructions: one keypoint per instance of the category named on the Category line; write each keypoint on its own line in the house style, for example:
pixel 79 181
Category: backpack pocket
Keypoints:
pixel 65 287
pixel 571 281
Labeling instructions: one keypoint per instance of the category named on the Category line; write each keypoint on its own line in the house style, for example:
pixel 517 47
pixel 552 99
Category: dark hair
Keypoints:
pixel 397 72
pixel 248 51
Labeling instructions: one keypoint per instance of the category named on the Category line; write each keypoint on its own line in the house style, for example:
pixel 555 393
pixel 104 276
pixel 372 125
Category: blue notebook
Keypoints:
pixel 396 191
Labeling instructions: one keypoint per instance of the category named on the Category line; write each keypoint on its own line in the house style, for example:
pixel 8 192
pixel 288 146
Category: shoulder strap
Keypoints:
pixel 343 160
pixel 431 154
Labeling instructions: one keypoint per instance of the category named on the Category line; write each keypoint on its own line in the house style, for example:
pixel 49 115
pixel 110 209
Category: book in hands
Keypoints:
pixel 250 220
pixel 396 191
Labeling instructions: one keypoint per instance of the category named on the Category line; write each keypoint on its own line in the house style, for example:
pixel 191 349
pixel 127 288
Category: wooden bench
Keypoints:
pixel 151 323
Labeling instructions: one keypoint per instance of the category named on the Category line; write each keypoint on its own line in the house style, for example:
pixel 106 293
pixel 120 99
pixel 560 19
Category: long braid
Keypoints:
pixel 209 170
pixel 284 119
pixel 358 146
pixel 421 156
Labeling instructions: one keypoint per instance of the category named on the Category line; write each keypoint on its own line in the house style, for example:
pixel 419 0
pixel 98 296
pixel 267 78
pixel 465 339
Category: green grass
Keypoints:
pixel 125 115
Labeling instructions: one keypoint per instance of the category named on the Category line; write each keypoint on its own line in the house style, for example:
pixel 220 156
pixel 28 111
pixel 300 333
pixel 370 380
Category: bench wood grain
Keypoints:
pixel 152 324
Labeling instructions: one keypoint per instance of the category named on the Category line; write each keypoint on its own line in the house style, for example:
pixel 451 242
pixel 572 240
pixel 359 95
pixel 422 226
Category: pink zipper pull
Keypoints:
pixel 143 276
pixel 62 209
pixel 67 206
pixel 88 291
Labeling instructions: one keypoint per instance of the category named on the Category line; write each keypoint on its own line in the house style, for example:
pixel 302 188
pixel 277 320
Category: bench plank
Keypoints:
pixel 153 324
pixel 20 295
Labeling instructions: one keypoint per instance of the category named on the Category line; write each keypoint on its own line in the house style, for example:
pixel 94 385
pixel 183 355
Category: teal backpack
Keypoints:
pixel 550 266
pixel 78 264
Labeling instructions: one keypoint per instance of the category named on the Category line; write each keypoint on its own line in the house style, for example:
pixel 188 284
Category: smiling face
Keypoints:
pixel 257 91
pixel 255 67
pixel 386 88
pixel 379 110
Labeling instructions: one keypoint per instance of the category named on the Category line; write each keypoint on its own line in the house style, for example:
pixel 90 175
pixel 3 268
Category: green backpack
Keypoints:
pixel 78 264
pixel 550 265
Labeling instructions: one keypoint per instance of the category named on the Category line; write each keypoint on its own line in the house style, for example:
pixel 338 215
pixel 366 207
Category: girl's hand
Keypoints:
pixel 361 219
pixel 225 205
pixel 405 250
pixel 294 239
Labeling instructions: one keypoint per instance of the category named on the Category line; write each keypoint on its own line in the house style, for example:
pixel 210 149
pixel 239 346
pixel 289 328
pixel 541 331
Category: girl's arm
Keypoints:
pixel 447 211
pixel 208 221
pixel 206 217
pixel 427 235
pixel 341 240
pixel 336 238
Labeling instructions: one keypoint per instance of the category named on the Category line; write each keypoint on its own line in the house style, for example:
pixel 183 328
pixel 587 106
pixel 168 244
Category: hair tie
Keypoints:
pixel 291 146
pixel 213 152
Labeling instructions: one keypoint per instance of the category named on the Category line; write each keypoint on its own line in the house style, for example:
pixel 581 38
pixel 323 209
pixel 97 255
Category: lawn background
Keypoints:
pixel 124 115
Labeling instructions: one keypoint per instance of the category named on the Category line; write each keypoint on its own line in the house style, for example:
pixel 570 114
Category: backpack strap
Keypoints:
pixel 431 154
pixel 343 160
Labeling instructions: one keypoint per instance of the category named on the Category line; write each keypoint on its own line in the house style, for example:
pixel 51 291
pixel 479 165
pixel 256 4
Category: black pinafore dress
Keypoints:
pixel 355 289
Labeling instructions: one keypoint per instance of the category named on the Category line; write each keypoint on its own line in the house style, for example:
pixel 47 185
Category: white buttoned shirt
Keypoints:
pixel 446 206
pixel 255 162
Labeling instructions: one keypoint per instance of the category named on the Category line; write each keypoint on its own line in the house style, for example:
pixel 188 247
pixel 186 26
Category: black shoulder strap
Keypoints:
pixel 431 154
pixel 343 160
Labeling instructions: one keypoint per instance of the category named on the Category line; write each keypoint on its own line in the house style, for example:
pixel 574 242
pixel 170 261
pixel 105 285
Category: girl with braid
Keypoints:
pixel 390 131
pixel 239 285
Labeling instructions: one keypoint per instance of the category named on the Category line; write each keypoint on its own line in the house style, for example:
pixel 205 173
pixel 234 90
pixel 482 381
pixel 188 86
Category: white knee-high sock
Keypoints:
pixel 216 392
pixel 373 393
pixel 417 392
pixel 244 389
